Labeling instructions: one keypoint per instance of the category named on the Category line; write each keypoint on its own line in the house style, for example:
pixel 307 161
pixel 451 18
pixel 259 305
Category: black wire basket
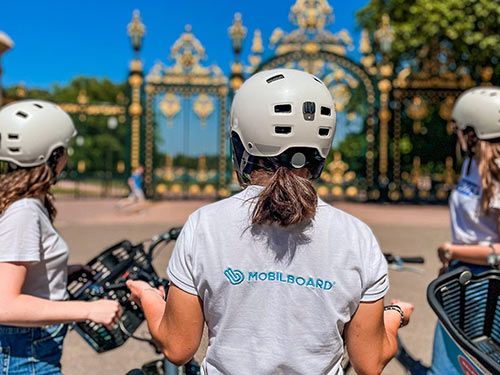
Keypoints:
pixel 468 307
pixel 107 277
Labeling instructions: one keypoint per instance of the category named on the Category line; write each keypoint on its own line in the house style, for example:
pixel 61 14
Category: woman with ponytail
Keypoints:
pixel 34 136
pixel 282 279
pixel 475 202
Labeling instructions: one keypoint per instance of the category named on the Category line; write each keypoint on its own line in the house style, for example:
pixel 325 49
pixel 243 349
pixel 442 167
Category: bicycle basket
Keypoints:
pixel 107 279
pixel 468 307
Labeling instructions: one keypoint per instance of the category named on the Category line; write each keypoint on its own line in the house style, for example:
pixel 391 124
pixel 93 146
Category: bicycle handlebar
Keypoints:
pixel 398 259
pixel 106 277
pixel 170 235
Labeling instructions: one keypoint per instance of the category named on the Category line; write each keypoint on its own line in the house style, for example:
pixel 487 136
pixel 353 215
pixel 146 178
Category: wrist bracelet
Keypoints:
pixel 447 252
pixel 493 257
pixel 399 310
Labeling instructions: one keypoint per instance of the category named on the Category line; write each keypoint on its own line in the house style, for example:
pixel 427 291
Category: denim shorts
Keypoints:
pixel 33 351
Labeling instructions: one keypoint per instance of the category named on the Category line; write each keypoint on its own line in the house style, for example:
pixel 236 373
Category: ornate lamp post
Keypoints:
pixel 384 36
pixel 136 31
pixel 237 33
pixel 5 44
pixel 112 124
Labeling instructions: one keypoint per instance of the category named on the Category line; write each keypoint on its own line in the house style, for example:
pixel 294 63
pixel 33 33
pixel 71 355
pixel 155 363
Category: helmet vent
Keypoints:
pixel 308 109
pixel 325 111
pixel 14 150
pixel 317 80
pixel 282 129
pixel 275 78
pixel 21 114
pixel 283 108
pixel 323 132
pixel 13 136
pixel 37 105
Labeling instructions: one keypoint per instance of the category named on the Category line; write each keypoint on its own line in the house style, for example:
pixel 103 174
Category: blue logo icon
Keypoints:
pixel 235 277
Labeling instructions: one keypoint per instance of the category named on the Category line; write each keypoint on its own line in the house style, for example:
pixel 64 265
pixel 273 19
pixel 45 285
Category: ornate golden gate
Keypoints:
pixel 180 100
pixel 393 142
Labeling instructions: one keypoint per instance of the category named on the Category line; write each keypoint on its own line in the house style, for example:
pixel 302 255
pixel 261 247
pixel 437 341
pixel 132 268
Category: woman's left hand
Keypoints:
pixel 445 255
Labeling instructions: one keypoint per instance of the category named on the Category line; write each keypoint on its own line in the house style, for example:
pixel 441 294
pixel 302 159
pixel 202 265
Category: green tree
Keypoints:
pixel 352 148
pixel 469 27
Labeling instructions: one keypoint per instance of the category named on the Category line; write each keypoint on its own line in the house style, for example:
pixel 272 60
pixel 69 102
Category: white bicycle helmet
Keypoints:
pixel 30 130
pixel 479 108
pixel 282 117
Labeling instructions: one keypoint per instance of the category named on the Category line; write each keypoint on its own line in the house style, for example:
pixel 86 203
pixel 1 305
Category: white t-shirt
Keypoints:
pixel 27 235
pixel 276 300
pixel 469 225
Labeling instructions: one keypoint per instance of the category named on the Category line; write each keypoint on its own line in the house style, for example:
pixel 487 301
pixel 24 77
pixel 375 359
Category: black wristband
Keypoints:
pixel 399 310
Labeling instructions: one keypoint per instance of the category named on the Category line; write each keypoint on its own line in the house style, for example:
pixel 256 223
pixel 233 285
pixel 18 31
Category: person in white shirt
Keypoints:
pixel 475 202
pixel 281 278
pixel 34 137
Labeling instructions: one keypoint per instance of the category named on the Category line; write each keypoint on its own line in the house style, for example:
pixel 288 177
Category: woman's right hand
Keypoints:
pixel 105 312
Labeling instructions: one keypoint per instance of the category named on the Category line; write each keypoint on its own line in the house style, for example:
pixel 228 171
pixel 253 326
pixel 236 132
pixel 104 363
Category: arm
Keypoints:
pixel 474 254
pixel 23 310
pixel 176 325
pixel 371 336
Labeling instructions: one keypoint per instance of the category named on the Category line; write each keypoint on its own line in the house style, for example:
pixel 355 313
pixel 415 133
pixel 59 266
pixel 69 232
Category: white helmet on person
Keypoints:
pixel 479 109
pixel 285 117
pixel 30 131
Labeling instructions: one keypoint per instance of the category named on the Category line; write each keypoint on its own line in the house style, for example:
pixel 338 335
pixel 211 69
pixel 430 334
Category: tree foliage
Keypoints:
pixel 470 28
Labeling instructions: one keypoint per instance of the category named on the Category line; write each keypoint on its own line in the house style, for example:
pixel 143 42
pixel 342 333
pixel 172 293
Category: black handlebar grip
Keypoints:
pixel 419 260
pixel 393 259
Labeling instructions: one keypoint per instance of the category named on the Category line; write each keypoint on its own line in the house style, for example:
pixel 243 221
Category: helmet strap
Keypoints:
pixel 244 160
pixel 13 166
pixel 53 161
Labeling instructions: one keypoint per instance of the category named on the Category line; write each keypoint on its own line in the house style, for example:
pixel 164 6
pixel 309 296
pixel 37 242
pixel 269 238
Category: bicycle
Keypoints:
pixel 468 308
pixel 105 277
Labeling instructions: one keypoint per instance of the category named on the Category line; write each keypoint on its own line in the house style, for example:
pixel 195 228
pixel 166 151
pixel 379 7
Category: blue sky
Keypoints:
pixel 58 40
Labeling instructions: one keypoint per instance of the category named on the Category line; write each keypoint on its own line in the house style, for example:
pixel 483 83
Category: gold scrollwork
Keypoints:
pixel 203 107
pixel 417 111
pixel 445 110
pixel 170 106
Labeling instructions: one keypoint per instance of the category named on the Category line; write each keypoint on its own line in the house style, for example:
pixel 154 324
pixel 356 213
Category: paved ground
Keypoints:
pixel 91 225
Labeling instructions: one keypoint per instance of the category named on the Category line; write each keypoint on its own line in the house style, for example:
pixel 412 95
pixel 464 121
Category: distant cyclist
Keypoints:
pixel 34 137
pixel 475 202
pixel 280 277
pixel 135 184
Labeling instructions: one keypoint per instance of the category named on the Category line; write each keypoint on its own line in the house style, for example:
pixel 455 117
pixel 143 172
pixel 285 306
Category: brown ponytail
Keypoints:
pixel 287 199
pixel 489 171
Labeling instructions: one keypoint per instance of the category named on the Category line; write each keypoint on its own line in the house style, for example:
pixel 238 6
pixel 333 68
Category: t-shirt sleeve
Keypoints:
pixel 180 266
pixel 376 280
pixel 20 236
